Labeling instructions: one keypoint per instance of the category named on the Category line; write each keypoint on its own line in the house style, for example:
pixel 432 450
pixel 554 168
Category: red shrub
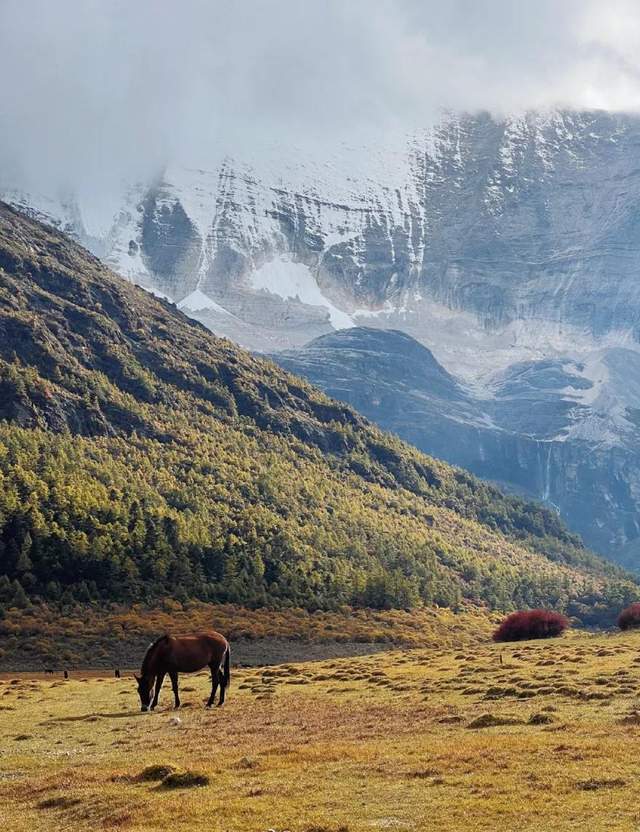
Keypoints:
pixel 629 617
pixel 531 624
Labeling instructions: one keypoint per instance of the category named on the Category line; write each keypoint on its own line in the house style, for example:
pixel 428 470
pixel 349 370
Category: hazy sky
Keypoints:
pixel 96 89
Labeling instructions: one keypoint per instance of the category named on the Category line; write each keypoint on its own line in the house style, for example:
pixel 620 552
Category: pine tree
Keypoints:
pixel 19 598
pixel 23 562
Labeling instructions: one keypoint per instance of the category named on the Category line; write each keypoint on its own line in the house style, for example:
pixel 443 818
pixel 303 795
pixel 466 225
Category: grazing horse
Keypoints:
pixel 183 654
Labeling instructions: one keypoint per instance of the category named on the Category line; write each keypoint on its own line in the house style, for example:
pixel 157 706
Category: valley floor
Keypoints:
pixel 531 736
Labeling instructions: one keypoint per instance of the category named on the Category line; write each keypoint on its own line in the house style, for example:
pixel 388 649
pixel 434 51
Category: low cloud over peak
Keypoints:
pixel 99 90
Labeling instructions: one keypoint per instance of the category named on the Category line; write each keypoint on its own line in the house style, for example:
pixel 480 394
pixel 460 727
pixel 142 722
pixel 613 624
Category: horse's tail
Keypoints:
pixel 227 670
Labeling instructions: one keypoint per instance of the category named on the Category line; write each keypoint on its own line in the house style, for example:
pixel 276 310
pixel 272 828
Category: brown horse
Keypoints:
pixel 184 654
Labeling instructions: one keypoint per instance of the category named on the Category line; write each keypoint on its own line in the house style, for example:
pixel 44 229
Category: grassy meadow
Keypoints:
pixel 527 736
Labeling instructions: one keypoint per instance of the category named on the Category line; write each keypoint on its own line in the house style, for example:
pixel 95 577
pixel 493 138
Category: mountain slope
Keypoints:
pixel 499 244
pixel 524 437
pixel 140 456
pixel 396 382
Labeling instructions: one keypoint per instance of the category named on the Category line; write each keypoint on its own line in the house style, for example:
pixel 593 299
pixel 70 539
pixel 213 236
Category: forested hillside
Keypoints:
pixel 142 457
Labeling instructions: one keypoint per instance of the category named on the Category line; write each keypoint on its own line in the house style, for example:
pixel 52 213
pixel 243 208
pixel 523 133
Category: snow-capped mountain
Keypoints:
pixel 527 219
pixel 510 248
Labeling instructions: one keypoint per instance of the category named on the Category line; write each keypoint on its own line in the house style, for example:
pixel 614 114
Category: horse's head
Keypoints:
pixel 145 689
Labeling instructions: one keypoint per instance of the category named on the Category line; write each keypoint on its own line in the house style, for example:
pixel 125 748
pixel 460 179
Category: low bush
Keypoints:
pixel 528 624
pixel 629 617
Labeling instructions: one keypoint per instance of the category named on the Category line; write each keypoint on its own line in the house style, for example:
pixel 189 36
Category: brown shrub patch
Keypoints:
pixel 531 624
pixel 629 618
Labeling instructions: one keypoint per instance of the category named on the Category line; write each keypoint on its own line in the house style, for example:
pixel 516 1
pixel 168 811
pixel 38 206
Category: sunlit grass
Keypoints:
pixel 380 742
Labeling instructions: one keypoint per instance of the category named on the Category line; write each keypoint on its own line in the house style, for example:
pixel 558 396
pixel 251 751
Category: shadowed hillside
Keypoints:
pixel 141 456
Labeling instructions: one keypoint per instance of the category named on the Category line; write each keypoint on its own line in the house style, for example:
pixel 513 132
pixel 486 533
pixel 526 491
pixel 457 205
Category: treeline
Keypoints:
pixel 229 520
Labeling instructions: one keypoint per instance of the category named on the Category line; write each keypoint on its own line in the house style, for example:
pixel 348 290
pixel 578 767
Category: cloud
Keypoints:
pixel 98 90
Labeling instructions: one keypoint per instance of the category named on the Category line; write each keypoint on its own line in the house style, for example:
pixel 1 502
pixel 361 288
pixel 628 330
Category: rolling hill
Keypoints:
pixel 143 457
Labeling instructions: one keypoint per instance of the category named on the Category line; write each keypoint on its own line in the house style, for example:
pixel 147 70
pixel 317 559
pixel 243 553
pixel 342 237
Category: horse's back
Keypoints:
pixel 215 638
pixel 208 638
pixel 193 652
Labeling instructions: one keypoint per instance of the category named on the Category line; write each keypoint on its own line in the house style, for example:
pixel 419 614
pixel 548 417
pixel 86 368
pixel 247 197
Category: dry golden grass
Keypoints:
pixel 528 736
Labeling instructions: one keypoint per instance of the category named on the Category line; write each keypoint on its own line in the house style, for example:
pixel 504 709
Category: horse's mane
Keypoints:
pixel 150 651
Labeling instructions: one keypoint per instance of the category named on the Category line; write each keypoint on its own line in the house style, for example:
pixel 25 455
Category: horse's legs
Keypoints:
pixel 215 673
pixel 223 686
pixel 174 685
pixel 159 682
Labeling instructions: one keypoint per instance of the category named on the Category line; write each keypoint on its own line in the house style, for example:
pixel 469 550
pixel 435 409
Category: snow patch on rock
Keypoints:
pixel 197 301
pixel 292 280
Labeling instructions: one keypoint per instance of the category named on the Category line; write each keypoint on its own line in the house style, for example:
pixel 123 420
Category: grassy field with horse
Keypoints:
pixel 530 735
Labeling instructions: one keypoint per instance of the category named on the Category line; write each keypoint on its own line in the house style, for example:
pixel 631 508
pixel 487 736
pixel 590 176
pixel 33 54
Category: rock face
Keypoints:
pixel 532 218
pixel 509 248
pixel 533 436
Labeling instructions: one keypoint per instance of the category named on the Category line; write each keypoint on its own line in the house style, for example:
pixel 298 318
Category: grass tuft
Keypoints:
pixel 540 719
pixel 184 780
pixel 594 785
pixel 60 802
pixel 156 772
pixel 492 720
